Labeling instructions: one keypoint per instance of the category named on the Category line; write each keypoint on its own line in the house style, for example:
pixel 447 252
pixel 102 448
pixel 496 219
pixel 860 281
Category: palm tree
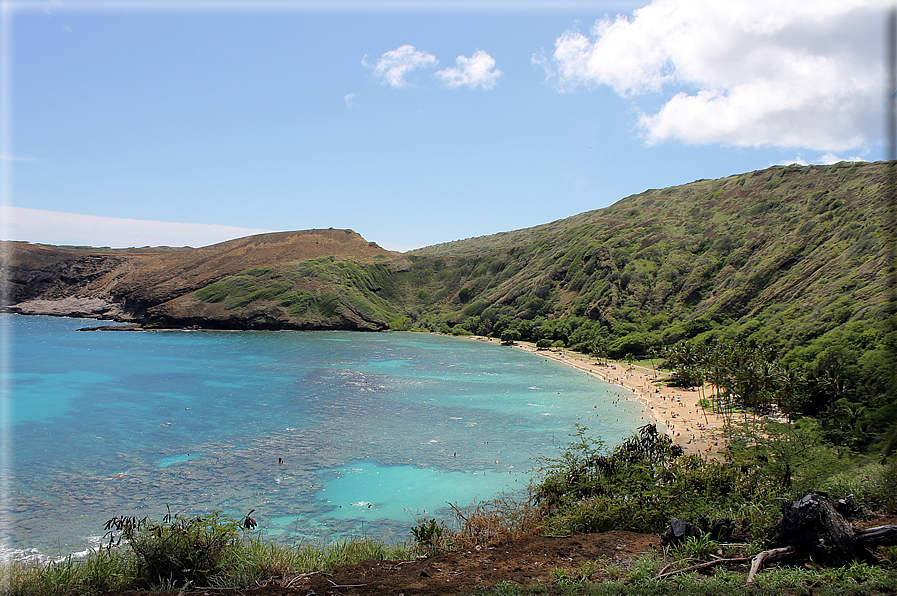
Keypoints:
pixel 793 391
pixel 652 354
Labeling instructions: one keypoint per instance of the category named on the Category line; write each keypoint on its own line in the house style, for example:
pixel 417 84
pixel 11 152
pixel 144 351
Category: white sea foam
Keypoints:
pixel 35 555
pixel 8 555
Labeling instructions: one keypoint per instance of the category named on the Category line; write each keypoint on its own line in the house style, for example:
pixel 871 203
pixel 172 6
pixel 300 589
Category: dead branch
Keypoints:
pixel 336 585
pixel 457 512
pixel 880 536
pixel 768 556
pixel 706 565
pixel 811 527
pixel 293 580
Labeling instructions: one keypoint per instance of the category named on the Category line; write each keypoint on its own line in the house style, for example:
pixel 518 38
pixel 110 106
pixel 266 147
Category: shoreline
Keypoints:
pixel 675 410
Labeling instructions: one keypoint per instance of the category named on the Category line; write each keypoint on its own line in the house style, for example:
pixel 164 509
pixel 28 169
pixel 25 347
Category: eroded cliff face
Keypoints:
pixel 152 286
pixel 44 280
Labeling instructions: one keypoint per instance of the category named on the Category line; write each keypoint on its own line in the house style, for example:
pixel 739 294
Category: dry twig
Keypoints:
pixel 771 556
pixel 705 565
pixel 336 585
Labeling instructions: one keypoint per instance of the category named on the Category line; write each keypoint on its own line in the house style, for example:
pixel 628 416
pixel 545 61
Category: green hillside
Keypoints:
pixel 797 250
pixel 781 256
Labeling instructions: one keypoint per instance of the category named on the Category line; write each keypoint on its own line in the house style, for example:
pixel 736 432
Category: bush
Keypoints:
pixel 638 487
pixel 177 550
pixel 429 536
pixel 400 324
pixel 498 520
pixel 509 336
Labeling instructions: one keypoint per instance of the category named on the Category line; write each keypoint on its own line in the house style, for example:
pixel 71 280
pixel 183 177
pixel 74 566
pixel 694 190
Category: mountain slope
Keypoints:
pixel 801 249
pixel 801 245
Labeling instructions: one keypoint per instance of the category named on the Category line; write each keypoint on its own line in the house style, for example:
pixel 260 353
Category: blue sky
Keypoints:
pixel 412 123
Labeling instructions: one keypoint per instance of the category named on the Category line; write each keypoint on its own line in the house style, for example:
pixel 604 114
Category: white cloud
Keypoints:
pixel 393 65
pixel 399 247
pixel 55 227
pixel 349 97
pixel 14 158
pixel 740 72
pixel 823 160
pixel 473 72
pixel 830 158
pixel 797 161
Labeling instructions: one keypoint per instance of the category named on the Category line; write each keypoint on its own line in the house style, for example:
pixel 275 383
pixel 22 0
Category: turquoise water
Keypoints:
pixel 324 434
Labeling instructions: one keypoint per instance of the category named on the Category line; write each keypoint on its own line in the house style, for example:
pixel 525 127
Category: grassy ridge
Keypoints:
pixel 784 244
pixel 782 255
pixel 315 292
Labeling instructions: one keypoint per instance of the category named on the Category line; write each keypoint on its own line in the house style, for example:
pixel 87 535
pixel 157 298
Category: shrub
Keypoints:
pixel 429 535
pixel 177 550
pixel 400 324
pixel 638 487
pixel 501 519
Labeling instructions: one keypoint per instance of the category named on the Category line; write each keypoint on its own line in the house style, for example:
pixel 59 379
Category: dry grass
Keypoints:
pixel 495 521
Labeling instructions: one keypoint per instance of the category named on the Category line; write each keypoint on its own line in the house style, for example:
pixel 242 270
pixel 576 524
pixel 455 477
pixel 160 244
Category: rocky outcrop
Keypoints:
pixel 71 306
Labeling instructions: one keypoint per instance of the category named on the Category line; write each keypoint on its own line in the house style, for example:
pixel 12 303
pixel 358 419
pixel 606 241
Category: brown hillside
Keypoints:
pixel 141 279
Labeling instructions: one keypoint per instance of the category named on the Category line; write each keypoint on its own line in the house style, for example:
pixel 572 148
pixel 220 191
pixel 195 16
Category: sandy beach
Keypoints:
pixel 675 409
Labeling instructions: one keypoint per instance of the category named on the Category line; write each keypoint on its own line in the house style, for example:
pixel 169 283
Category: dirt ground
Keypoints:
pixel 527 561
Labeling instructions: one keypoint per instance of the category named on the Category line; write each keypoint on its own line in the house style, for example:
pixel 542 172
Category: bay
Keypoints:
pixel 325 434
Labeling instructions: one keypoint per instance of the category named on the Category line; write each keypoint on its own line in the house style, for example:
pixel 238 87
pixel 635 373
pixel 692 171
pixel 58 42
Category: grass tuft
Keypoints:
pixel 250 562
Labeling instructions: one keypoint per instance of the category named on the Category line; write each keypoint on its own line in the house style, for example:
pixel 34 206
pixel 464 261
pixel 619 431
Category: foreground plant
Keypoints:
pixel 101 571
pixel 250 561
pixel 638 486
pixel 178 549
pixel 429 535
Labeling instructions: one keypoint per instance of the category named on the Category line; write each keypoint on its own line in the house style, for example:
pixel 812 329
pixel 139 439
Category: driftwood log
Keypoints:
pixel 811 528
pixel 814 527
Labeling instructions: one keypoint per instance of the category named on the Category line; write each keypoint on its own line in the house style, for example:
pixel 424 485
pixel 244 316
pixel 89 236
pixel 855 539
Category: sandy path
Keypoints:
pixel 676 410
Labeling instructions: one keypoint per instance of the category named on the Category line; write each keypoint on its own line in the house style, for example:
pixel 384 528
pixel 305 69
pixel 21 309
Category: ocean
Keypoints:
pixel 325 435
